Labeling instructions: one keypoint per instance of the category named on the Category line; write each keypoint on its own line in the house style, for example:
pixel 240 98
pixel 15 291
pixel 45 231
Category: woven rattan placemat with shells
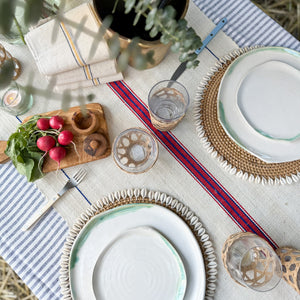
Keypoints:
pixel 214 138
pixel 142 196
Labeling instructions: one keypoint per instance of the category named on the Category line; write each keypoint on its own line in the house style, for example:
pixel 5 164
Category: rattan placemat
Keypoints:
pixel 142 196
pixel 232 157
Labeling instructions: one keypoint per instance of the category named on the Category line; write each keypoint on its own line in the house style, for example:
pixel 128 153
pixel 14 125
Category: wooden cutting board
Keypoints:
pixel 71 158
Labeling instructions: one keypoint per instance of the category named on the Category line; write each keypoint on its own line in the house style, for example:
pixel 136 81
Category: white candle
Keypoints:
pixel 12 98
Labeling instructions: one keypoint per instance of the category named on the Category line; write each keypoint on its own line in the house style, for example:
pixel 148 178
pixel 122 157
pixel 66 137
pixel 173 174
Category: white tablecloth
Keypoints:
pixel 224 203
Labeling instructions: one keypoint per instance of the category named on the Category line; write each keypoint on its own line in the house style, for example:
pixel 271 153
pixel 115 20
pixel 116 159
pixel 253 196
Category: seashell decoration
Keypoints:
pixel 290 260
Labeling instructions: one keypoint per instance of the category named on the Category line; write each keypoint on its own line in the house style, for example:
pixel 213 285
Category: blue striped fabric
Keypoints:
pixel 35 255
pixel 247 25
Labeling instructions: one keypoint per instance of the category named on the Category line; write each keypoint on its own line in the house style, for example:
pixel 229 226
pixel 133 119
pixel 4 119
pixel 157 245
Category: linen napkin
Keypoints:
pixel 67 58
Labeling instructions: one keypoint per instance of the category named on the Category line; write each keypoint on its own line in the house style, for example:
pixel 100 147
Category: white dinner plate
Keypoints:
pixel 259 101
pixel 145 265
pixel 109 230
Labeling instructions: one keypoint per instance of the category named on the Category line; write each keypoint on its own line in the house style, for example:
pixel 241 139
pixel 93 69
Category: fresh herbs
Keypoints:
pixel 23 151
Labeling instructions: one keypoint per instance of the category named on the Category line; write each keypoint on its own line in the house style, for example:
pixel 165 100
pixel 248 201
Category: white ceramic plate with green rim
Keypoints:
pixel 259 101
pixel 105 237
pixel 145 265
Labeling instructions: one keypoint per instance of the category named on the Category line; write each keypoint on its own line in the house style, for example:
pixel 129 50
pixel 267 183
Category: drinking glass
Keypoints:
pixel 16 100
pixel 251 261
pixel 135 150
pixel 168 101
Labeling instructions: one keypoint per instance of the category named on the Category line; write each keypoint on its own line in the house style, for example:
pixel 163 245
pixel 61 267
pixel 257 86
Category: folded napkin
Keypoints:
pixel 67 58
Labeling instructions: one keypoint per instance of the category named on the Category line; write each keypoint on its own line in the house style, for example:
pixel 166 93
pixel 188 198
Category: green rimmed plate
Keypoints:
pixel 258 103
pixel 103 236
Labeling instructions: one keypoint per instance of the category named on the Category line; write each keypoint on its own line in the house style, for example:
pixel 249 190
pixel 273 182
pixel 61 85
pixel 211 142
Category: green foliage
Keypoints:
pixel 162 21
pixel 7 8
pixel 22 150
pixel 6 73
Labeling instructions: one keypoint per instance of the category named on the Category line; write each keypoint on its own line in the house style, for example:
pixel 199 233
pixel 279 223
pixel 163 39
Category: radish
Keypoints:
pixel 45 143
pixel 57 154
pixel 56 122
pixel 43 124
pixel 65 137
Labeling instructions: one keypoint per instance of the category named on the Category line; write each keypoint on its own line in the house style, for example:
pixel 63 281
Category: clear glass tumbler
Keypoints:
pixel 16 100
pixel 135 150
pixel 168 101
pixel 251 261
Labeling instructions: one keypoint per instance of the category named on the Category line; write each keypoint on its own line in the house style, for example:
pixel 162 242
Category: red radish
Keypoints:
pixel 45 143
pixel 65 137
pixel 56 122
pixel 43 124
pixel 57 154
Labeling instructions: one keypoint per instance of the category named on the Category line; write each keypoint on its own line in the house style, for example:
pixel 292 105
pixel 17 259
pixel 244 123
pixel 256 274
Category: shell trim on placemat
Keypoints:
pixel 142 196
pixel 257 170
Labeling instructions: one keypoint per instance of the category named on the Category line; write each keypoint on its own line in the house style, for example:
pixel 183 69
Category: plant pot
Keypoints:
pixel 123 25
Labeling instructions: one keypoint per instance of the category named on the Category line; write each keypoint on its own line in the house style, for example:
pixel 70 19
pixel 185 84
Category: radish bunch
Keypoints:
pixel 53 139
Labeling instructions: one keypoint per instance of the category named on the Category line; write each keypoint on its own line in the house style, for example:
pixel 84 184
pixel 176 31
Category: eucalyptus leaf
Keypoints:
pixel 183 56
pixel 175 47
pixel 6 73
pixel 137 17
pixel 140 61
pixel 123 60
pixel 150 19
pixel 114 45
pixel 33 11
pixel 153 32
pixel 165 39
pixel 149 57
pixel 7 8
pixel 129 4
pixel 192 64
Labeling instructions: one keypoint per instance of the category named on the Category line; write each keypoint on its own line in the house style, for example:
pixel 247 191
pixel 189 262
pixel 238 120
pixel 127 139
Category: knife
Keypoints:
pixel 182 66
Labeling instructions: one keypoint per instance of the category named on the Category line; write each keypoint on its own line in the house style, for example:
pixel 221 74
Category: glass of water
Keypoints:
pixel 251 261
pixel 168 101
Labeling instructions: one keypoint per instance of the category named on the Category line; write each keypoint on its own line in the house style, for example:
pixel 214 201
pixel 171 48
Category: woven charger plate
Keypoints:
pixel 214 138
pixel 142 196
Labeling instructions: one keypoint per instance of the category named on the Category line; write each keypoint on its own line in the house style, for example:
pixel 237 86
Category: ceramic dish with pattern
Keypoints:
pixel 102 239
pixel 259 101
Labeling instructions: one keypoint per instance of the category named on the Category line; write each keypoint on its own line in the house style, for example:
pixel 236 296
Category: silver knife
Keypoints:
pixel 182 66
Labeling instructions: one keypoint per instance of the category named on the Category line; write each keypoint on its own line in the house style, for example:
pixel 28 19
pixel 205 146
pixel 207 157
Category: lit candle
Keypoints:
pixel 15 100
pixel 12 98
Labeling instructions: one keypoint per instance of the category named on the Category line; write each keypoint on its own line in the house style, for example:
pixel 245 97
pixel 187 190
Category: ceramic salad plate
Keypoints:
pixel 146 265
pixel 259 101
pixel 137 251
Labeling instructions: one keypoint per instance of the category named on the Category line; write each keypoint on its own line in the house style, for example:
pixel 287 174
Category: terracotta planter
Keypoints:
pixel 122 24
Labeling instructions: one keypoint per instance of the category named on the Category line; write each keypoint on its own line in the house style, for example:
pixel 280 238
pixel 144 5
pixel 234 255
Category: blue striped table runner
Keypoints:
pixel 35 256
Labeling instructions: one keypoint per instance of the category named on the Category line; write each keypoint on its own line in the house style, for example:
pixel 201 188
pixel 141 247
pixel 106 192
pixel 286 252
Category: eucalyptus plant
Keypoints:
pixel 159 20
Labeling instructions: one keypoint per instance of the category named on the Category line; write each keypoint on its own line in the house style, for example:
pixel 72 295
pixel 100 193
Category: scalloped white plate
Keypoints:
pixel 259 101
pixel 104 231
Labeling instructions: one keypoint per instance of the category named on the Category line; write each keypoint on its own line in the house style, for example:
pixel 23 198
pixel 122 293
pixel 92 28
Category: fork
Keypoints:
pixel 72 182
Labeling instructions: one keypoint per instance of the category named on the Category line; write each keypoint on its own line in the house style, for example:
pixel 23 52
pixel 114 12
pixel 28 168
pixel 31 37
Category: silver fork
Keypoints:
pixel 72 182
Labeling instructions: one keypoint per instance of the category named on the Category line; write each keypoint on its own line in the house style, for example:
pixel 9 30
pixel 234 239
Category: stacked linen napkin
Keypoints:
pixel 67 60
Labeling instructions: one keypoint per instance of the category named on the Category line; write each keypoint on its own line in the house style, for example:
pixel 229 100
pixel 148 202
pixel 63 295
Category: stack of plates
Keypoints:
pixel 259 103
pixel 137 251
